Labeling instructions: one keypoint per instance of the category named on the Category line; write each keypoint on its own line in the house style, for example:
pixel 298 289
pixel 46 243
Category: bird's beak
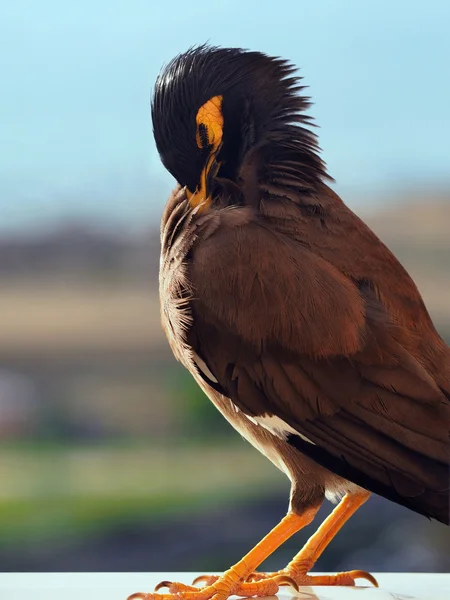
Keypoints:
pixel 202 195
pixel 209 134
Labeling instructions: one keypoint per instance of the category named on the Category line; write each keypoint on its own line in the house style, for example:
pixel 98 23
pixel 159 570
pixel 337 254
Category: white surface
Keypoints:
pixel 117 586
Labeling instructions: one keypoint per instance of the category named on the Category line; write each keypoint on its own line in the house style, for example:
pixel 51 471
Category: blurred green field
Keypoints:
pixel 52 491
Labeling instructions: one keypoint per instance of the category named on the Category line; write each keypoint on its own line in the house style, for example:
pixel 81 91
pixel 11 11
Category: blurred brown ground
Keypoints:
pixel 111 459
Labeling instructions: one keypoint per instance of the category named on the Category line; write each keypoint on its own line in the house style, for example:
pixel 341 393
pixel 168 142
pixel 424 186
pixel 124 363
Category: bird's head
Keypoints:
pixel 214 108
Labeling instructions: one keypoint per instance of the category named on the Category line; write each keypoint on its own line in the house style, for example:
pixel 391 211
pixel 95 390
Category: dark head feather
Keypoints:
pixel 263 111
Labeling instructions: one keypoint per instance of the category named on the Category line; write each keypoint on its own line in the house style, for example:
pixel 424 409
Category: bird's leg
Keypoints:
pixel 233 581
pixel 303 562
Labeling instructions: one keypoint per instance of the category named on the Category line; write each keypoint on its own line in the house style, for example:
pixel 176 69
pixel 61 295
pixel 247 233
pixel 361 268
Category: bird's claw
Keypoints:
pixel 162 584
pixel 363 575
pixel 285 580
pixel 175 587
pixel 206 579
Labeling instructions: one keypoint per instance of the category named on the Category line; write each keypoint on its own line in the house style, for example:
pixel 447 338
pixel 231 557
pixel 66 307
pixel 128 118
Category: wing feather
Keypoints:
pixel 287 334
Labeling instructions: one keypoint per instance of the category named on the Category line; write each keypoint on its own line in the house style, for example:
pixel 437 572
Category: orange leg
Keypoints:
pixel 233 580
pixel 303 562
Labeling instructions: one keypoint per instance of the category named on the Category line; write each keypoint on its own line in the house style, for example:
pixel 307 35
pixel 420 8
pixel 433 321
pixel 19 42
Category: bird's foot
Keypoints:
pixel 302 578
pixel 217 588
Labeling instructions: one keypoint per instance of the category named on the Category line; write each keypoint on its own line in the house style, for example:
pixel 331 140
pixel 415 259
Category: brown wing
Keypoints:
pixel 286 333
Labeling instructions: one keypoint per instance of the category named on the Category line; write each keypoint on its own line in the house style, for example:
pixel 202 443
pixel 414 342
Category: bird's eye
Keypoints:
pixel 202 135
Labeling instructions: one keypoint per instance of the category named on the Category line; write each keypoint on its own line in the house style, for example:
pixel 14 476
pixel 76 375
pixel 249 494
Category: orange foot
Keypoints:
pixel 217 588
pixel 242 580
pixel 301 578
pixel 295 579
pixel 234 581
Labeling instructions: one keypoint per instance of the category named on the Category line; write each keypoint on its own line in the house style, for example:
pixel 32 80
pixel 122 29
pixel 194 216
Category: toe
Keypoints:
pixel 266 586
pixel 346 578
pixel 177 591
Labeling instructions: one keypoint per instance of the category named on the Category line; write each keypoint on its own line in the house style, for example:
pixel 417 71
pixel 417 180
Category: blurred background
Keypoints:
pixel 110 457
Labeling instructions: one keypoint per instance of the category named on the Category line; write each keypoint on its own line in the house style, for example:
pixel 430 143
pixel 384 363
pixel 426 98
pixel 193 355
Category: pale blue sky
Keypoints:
pixel 76 78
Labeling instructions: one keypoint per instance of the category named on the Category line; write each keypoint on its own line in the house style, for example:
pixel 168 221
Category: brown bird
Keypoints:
pixel 293 317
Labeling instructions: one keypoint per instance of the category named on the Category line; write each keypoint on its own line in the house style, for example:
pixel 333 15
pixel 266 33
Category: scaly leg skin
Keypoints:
pixel 304 561
pixel 234 581
pixel 297 570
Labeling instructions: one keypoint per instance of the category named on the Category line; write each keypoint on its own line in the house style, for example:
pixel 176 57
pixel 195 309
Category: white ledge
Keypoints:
pixel 117 586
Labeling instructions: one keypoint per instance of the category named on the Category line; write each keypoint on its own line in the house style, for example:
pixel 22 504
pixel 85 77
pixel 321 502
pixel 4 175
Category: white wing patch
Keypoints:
pixel 234 407
pixel 203 367
pixel 272 423
pixel 278 427
pixel 252 419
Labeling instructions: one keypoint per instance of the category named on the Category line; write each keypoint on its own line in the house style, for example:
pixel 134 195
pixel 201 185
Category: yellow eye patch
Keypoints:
pixel 210 123
pixel 209 134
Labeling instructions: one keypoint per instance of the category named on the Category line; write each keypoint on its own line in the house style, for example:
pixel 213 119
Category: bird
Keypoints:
pixel 293 317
